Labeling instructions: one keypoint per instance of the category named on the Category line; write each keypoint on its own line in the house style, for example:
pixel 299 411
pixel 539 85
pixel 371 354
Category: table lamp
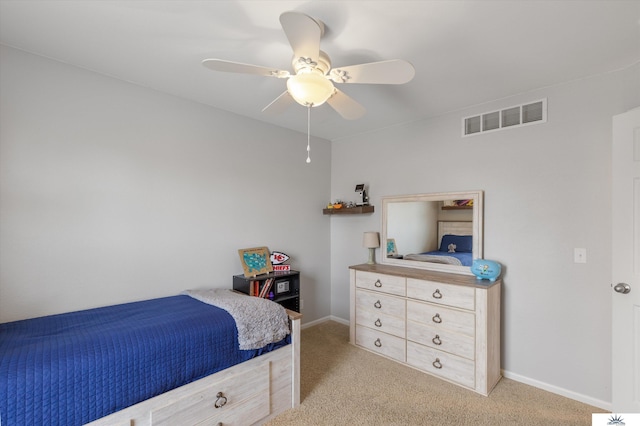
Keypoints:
pixel 371 240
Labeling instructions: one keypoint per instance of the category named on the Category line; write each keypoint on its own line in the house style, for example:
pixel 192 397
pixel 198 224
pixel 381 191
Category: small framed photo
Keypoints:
pixel 392 250
pixel 255 261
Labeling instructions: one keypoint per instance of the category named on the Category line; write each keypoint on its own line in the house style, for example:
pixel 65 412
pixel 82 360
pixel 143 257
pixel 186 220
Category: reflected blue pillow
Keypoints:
pixel 464 243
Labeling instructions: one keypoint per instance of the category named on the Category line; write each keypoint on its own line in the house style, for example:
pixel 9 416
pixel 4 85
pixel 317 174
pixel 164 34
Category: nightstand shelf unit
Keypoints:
pixel 285 288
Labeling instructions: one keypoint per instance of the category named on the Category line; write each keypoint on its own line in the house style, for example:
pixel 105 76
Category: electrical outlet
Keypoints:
pixel 580 255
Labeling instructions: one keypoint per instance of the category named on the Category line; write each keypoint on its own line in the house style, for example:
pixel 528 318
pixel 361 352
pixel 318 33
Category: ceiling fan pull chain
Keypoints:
pixel 308 133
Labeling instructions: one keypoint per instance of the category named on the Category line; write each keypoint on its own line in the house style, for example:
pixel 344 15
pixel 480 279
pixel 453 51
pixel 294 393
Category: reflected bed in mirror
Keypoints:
pixel 439 231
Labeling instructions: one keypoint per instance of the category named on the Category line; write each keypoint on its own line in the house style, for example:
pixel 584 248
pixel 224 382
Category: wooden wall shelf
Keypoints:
pixel 457 207
pixel 351 210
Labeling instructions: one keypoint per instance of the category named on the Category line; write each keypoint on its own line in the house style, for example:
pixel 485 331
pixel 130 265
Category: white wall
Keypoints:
pixel 547 190
pixel 110 192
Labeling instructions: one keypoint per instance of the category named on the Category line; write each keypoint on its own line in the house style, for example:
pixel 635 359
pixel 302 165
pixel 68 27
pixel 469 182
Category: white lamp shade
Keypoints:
pixel 309 88
pixel 371 240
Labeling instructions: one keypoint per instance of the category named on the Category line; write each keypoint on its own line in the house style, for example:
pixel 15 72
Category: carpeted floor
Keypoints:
pixel 345 385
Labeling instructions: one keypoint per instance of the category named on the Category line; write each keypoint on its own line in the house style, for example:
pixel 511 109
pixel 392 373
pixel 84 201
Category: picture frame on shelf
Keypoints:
pixel 392 250
pixel 255 261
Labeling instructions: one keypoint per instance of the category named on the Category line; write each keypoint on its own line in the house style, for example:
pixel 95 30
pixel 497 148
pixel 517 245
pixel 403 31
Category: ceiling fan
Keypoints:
pixel 311 83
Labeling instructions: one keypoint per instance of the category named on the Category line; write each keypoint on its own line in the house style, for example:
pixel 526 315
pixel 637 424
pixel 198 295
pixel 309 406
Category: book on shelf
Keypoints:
pixel 254 288
pixel 264 292
pixel 269 290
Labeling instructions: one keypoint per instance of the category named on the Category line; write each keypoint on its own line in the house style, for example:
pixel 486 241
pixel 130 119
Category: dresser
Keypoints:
pixel 443 324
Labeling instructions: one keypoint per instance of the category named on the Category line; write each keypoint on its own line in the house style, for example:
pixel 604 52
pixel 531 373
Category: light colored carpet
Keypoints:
pixel 345 385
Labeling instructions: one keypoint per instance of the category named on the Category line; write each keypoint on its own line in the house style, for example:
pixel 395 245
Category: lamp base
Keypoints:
pixel 372 258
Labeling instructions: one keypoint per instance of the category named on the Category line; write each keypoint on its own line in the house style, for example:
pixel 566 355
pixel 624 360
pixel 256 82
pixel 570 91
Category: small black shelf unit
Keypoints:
pixel 286 287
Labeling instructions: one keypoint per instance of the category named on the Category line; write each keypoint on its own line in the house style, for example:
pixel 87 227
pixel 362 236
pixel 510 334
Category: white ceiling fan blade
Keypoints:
pixel 279 104
pixel 394 71
pixel 229 66
pixel 304 34
pixel 347 107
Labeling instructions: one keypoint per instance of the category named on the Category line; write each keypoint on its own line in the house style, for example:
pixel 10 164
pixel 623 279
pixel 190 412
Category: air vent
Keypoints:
pixel 515 116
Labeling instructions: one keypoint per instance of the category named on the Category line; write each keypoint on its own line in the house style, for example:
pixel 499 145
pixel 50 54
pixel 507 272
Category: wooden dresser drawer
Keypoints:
pixel 442 339
pixel 380 303
pixel 443 364
pixel 442 318
pixel 381 322
pixel 382 343
pixel 247 401
pixel 379 282
pixel 444 294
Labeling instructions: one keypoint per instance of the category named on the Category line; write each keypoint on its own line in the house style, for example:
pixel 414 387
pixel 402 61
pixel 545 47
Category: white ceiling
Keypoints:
pixel 465 52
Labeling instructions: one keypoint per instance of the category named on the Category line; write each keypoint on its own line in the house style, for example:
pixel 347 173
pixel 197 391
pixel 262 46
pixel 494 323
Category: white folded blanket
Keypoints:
pixel 259 321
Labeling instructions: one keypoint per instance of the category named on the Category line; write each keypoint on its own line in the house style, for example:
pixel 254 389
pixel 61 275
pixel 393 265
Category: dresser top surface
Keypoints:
pixel 423 274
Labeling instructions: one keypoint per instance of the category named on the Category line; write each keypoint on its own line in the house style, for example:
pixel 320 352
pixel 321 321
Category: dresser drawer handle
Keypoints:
pixel 378 283
pixel 377 305
pixel 378 343
pixel 436 340
pixel 378 323
pixel 221 401
pixel 436 318
pixel 437 294
pixel 437 364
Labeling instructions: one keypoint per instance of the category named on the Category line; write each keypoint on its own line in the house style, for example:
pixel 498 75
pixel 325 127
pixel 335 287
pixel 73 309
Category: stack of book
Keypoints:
pixel 261 288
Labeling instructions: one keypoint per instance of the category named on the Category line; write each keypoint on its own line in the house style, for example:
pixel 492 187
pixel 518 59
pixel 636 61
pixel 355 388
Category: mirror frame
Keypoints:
pixel 478 226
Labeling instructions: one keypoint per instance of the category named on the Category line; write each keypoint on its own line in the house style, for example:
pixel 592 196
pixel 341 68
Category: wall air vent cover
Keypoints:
pixel 514 116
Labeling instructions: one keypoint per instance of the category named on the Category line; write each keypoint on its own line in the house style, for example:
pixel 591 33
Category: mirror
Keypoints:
pixel 440 231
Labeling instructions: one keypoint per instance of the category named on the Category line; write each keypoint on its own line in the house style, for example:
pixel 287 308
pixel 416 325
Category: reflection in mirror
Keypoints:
pixel 441 231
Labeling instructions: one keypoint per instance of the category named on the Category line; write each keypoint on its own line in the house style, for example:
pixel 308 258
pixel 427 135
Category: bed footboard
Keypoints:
pixel 248 393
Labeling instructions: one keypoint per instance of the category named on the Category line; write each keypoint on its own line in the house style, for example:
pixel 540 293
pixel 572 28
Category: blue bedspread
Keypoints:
pixel 73 368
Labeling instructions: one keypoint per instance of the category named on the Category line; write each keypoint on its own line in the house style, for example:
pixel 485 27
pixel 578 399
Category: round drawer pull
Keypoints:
pixel 436 294
pixel 436 318
pixel 221 401
pixel 436 340
pixel 378 343
pixel 378 283
pixel 378 323
pixel 437 364
pixel 377 305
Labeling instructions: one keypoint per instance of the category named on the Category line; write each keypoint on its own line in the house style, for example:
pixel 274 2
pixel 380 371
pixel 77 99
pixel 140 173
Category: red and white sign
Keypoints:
pixel 281 267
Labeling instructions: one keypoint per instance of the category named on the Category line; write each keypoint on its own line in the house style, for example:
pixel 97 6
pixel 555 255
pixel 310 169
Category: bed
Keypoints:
pixel 455 245
pixel 181 359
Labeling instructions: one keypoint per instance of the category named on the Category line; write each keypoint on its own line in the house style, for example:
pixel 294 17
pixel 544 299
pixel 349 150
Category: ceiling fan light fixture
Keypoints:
pixel 310 88
pixel 312 82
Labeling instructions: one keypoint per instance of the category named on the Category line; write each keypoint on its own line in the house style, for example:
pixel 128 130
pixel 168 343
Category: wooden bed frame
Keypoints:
pixel 248 393
pixel 453 227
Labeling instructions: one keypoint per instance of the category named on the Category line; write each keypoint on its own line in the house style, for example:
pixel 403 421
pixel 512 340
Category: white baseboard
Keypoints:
pixel 324 319
pixel 605 405
pixel 340 320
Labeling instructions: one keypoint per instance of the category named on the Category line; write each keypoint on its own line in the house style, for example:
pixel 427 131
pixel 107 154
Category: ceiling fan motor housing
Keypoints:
pixel 322 64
